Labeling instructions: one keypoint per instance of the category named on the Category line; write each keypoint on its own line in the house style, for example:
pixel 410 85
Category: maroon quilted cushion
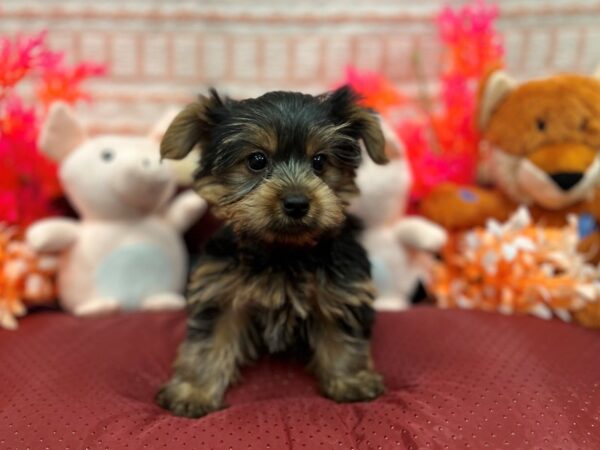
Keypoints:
pixel 455 379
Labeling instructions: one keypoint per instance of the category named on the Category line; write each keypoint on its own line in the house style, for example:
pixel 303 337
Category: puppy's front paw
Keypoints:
pixel 361 386
pixel 187 400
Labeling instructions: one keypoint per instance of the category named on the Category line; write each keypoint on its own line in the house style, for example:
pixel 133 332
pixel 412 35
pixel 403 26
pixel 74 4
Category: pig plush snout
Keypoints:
pixel 112 177
pixel 142 182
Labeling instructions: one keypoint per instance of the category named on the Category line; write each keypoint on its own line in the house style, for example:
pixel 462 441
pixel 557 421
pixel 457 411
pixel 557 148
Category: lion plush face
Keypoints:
pixel 544 137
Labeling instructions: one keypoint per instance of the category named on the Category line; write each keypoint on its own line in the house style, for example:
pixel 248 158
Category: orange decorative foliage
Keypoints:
pixel 517 268
pixel 25 278
pixel 376 92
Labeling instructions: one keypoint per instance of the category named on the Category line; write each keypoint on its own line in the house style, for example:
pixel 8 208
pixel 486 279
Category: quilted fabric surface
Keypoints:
pixel 456 379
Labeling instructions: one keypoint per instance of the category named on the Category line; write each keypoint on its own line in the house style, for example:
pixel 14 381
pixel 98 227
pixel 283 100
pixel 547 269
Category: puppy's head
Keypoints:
pixel 279 168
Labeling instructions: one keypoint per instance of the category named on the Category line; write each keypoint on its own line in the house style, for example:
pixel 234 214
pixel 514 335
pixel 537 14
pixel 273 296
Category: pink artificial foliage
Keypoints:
pixel 20 56
pixel 470 39
pixel 64 82
pixel 449 151
pixel 440 134
pixel 28 186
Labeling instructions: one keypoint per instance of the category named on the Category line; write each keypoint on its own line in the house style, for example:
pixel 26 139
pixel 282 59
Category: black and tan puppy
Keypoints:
pixel 286 270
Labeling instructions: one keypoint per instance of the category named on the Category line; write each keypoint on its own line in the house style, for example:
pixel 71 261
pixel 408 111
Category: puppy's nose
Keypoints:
pixel 295 206
pixel 566 180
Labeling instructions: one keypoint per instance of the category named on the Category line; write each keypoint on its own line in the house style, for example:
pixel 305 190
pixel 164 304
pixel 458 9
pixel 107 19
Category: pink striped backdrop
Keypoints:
pixel 162 53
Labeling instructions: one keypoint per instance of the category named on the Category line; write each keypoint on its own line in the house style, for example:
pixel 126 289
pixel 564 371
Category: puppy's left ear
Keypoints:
pixel 361 121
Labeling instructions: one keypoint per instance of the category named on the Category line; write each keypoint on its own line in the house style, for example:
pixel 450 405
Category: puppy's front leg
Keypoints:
pixel 207 362
pixel 342 363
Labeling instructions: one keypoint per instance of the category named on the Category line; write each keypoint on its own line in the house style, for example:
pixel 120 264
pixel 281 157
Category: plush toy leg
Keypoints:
pixel 97 306
pixel 421 234
pixel 458 208
pixel 167 300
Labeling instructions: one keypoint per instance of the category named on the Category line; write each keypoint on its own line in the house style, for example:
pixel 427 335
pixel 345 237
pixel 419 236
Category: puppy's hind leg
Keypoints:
pixel 207 363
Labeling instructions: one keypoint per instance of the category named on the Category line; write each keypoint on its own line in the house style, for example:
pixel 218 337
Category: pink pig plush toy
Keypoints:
pixel 399 246
pixel 126 252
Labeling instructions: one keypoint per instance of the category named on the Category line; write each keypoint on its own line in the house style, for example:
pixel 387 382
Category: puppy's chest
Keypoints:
pixel 275 285
pixel 283 295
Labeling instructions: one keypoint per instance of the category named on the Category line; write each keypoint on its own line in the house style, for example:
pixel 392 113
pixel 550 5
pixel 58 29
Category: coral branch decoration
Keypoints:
pixel 439 132
pixel 442 141
pixel 28 186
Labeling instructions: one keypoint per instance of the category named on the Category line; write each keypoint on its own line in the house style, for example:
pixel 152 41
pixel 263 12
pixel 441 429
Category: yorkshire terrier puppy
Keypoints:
pixel 286 270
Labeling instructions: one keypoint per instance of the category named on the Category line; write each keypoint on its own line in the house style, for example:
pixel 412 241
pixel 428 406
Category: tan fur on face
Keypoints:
pixel 326 137
pixel 259 210
pixel 256 137
pixel 259 213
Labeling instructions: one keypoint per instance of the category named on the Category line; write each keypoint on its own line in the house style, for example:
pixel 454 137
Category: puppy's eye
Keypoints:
pixel 583 126
pixel 107 155
pixel 318 162
pixel 540 124
pixel 257 161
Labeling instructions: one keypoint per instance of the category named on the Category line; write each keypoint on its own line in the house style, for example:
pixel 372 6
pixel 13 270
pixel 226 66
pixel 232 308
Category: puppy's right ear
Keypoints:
pixel 190 127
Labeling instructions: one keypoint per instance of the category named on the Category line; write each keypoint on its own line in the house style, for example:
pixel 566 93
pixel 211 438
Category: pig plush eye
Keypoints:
pixel 107 155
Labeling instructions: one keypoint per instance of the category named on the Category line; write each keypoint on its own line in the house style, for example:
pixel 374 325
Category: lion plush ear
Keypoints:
pixel 494 88
pixel 190 127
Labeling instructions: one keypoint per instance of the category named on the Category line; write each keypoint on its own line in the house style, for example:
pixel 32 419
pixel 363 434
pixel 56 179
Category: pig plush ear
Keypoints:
pixel 61 133
pixel 160 127
pixel 393 146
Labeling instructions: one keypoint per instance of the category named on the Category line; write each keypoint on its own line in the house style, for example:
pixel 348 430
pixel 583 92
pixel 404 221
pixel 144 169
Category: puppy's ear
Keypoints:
pixel 190 127
pixel 361 121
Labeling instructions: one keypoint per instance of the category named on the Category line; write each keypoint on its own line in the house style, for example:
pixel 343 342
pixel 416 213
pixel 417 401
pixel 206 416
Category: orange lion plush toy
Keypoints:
pixel 541 143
